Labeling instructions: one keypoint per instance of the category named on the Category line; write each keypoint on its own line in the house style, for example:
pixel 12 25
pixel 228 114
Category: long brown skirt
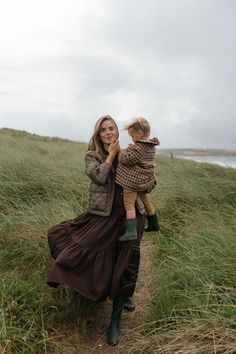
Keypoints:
pixel 88 257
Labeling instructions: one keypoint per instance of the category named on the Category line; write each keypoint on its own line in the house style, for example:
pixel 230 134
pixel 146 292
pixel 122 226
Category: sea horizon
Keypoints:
pixel 220 160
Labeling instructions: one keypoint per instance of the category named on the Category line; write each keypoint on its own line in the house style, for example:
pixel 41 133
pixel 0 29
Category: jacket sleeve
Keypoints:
pixel 131 156
pixel 97 171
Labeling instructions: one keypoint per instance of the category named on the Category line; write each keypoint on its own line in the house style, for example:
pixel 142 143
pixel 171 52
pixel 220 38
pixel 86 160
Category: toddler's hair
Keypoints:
pixel 138 124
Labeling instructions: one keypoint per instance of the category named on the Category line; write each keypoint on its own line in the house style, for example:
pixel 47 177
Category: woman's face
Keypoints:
pixel 108 133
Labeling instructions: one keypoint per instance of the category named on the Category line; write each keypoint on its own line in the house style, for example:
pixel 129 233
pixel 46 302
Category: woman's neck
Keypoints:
pixel 106 147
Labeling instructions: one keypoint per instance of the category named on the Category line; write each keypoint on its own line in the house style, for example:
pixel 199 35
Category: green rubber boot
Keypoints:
pixel 130 231
pixel 114 330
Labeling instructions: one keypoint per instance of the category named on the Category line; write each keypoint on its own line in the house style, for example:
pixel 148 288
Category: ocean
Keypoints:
pixel 225 161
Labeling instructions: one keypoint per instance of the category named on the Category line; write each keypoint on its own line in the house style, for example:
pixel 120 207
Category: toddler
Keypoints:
pixel 135 173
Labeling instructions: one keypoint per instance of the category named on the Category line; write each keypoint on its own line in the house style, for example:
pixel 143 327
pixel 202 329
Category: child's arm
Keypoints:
pixel 131 156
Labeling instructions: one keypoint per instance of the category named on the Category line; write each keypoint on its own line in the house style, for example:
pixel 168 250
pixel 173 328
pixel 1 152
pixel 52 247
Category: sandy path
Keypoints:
pixel 92 334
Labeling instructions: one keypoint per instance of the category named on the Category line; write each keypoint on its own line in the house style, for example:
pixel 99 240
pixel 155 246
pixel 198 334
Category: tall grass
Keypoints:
pixel 194 308
pixel 42 182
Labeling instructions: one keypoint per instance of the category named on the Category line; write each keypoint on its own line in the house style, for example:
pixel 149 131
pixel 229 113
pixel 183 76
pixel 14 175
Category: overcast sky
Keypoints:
pixel 64 63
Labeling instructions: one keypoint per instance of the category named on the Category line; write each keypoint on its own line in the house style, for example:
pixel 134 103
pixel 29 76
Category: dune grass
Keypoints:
pixel 194 308
pixel 42 182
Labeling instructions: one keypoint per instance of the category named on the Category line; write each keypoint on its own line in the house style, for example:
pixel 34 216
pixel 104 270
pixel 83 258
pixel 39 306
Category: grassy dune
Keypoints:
pixel 194 309
pixel 42 183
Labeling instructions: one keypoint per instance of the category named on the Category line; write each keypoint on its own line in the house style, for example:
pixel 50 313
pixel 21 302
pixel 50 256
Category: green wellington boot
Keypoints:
pixel 114 330
pixel 153 223
pixel 130 231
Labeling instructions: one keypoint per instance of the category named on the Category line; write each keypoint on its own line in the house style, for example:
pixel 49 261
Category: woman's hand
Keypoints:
pixel 113 150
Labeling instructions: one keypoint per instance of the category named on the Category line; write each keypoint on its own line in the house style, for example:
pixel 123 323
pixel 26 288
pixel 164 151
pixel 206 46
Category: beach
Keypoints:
pixel 224 161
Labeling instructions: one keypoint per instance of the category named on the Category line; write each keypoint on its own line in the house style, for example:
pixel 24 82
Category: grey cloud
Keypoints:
pixel 171 61
pixel 4 93
pixel 102 76
pixel 214 131
pixel 62 125
pixel 97 76
pixel 172 27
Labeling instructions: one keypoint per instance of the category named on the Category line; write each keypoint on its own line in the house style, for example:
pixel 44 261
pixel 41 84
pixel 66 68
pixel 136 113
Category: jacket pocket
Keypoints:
pixel 98 197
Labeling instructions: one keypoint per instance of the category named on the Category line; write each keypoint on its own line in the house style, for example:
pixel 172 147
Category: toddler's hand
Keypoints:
pixel 122 152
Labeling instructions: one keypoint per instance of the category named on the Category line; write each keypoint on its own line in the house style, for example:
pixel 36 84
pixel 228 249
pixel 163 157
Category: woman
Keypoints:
pixel 88 256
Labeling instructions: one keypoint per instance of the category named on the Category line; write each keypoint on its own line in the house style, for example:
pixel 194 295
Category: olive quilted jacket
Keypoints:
pixel 102 186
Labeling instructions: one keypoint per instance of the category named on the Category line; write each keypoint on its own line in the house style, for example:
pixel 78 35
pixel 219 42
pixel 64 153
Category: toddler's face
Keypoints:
pixel 135 135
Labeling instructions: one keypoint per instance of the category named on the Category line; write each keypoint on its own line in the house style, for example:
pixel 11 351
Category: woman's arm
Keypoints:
pixel 98 171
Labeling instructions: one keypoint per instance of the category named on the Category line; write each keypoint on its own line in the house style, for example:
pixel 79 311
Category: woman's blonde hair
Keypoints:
pixel 138 124
pixel 95 142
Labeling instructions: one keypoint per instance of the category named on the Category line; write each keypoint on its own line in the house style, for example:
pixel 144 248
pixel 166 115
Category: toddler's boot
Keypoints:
pixel 153 223
pixel 130 231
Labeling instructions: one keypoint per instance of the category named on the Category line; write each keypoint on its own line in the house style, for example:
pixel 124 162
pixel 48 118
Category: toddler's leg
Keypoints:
pixel 129 202
pixel 130 222
pixel 150 210
pixel 153 223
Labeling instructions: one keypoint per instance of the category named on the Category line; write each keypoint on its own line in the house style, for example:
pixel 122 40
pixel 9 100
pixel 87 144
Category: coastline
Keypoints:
pixel 221 157
pixel 222 160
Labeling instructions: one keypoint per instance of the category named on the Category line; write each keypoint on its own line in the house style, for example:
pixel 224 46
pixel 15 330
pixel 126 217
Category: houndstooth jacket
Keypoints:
pixel 135 170
pixel 102 186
